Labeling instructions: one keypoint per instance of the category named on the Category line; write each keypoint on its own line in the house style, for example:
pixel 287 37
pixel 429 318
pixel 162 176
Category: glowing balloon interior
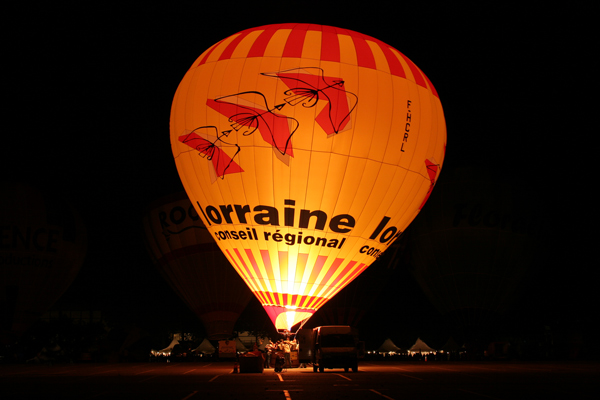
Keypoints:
pixel 307 150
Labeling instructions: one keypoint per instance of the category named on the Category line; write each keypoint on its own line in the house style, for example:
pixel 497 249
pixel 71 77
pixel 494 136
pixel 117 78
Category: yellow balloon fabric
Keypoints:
pixel 307 150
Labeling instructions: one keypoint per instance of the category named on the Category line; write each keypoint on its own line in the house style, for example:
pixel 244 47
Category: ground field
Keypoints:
pixel 373 381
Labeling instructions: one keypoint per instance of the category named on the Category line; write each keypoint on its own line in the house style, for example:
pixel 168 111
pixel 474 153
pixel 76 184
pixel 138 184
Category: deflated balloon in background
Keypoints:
pixel 306 150
pixel 194 266
pixel 42 247
pixel 473 245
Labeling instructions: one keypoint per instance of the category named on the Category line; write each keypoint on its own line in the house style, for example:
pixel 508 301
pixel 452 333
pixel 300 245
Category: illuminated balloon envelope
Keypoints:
pixel 42 247
pixel 189 259
pixel 306 150
pixel 472 245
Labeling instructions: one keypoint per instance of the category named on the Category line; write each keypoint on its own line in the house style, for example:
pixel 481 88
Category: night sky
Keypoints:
pixel 88 91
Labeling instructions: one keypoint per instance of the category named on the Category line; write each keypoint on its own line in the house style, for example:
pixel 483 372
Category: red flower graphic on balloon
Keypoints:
pixel 210 147
pixel 247 116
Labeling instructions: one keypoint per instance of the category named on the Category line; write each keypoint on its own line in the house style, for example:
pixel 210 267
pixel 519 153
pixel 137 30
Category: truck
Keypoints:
pixel 331 346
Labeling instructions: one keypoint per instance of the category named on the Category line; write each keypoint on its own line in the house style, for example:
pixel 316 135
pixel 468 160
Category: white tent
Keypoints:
pixel 388 346
pixel 421 347
pixel 167 350
pixel 205 348
pixel 239 346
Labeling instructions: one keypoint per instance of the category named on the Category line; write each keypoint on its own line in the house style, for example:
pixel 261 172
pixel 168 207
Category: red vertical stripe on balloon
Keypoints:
pixel 254 264
pixel 301 265
pixel 317 302
pixel 317 269
pixel 332 269
pixel 268 267
pixel 347 274
pixel 330 45
pixel 295 42
pixel 208 53
pixel 353 275
pixel 419 80
pixel 330 50
pixel 364 55
pixel 393 62
pixel 240 264
pixel 272 298
pixel 342 280
pixel 260 44
pixel 231 46
pixel 312 280
pixel 294 300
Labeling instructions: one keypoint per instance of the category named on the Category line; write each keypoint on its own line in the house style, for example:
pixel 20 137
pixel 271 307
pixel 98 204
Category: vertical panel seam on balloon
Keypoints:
pixel 314 301
pixel 394 64
pixel 335 285
pixel 255 270
pixel 270 298
pixel 332 273
pixel 295 300
pixel 336 278
pixel 263 268
pixel 218 50
pixel 268 269
pixel 309 51
pixel 360 267
pixel 228 51
pixel 274 287
pixel 416 72
pixel 317 275
pixel 246 269
pixel 294 44
pixel 313 279
pixel 300 271
pixel 305 301
pixel 243 270
pixel 324 275
pixel 302 259
pixel 284 266
pixel 364 56
pixel 208 53
pixel 317 290
pixel 261 43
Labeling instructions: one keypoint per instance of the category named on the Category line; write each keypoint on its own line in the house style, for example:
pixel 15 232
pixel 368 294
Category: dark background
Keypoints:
pixel 87 91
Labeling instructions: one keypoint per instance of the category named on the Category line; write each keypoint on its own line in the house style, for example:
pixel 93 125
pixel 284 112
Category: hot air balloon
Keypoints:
pixel 42 247
pixel 189 259
pixel 307 150
pixel 472 246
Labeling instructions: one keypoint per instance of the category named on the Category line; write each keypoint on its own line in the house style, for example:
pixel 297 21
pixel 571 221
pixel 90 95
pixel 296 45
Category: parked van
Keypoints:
pixel 333 346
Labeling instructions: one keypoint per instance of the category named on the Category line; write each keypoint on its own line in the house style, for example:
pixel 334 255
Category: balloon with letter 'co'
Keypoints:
pixel 307 150
pixel 186 255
